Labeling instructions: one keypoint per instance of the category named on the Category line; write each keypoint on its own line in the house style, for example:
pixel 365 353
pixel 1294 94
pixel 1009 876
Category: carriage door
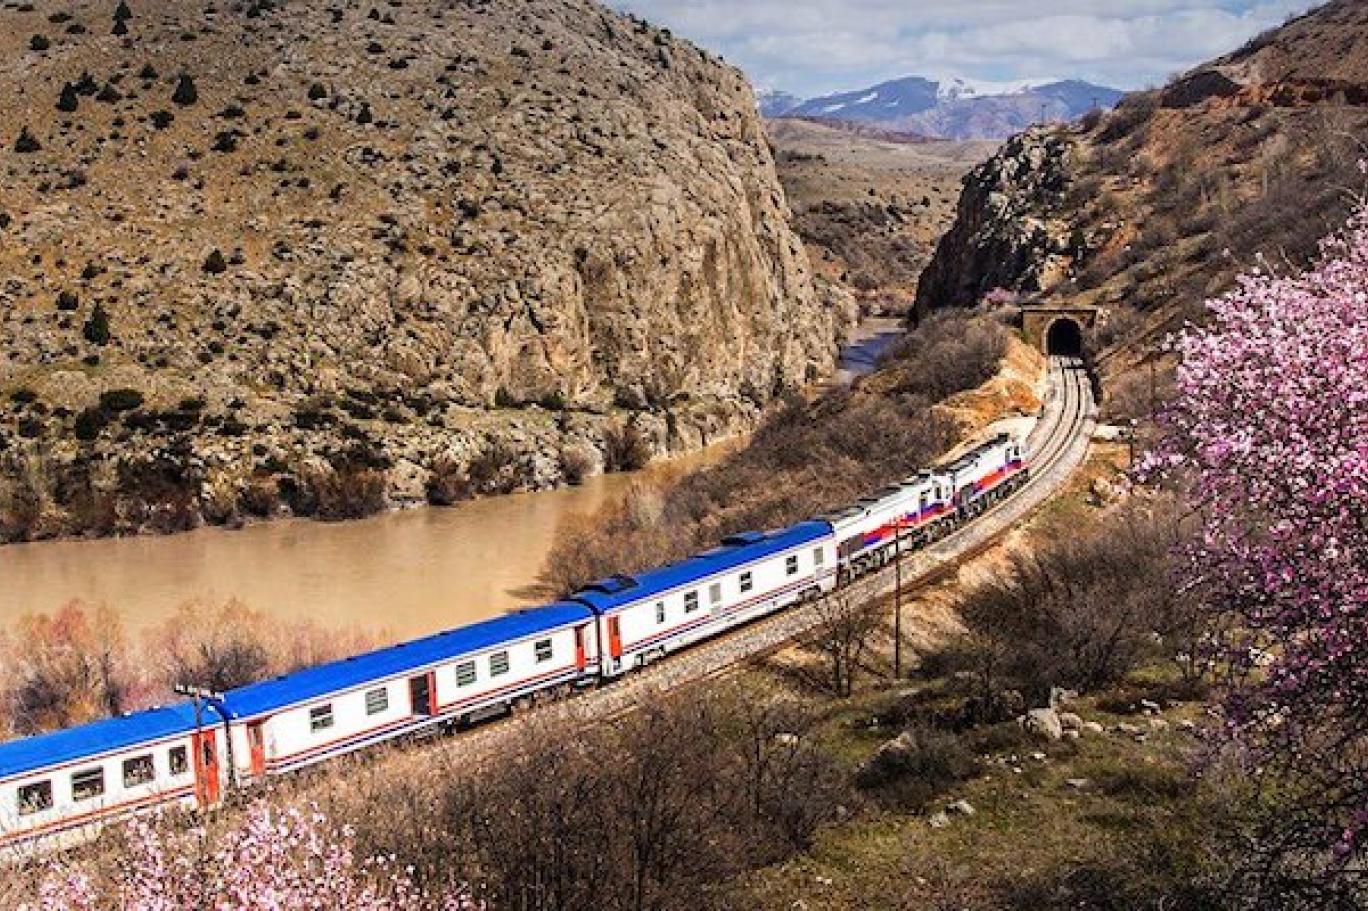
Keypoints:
pixel 615 637
pixel 580 659
pixel 204 745
pixel 256 743
pixel 420 694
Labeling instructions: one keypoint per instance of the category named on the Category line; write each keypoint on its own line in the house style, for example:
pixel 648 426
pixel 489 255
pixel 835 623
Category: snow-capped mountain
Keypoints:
pixel 952 108
pixel 774 103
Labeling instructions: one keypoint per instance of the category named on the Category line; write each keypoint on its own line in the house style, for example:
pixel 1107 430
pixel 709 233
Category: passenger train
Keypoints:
pixel 59 788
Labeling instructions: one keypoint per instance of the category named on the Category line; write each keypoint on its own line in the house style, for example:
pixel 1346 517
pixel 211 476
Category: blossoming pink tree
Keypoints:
pixel 1270 428
pixel 274 860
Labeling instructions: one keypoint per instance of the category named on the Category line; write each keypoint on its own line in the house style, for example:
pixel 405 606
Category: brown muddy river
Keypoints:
pixel 404 573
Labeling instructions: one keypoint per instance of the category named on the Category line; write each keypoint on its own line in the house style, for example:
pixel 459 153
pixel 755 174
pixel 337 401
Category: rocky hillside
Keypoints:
pixel 325 256
pixel 1150 209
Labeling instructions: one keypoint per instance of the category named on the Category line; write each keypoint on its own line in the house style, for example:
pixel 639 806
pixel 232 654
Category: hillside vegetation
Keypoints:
pixel 316 257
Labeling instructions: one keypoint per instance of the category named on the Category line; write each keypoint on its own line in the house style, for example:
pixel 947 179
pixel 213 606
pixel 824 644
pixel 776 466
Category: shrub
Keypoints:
pixel 185 93
pixel 116 400
pixel 347 492
pixel 921 763
pixel 96 328
pixel 67 668
pixel 1079 613
pixel 89 423
pixel 626 448
pixel 39 43
pixel 577 463
pixel 67 102
pixel 494 469
pixel 214 263
pixel 950 352
pixel 25 143
pixel 448 483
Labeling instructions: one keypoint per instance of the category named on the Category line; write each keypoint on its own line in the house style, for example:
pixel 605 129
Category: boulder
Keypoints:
pixel 1042 723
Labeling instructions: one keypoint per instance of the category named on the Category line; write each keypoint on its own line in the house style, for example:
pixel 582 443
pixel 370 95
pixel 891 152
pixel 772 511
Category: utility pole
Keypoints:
pixel 897 599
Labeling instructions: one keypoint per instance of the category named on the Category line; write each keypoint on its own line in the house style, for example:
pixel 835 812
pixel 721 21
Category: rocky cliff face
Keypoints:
pixel 1156 206
pixel 244 239
pixel 1008 230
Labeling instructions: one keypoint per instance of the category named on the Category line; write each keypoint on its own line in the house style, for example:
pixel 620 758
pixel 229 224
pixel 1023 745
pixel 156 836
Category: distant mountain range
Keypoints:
pixel 953 109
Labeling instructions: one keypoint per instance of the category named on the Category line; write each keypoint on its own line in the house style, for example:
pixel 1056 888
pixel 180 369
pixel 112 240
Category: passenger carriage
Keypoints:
pixel 451 678
pixel 61 787
pixel 642 617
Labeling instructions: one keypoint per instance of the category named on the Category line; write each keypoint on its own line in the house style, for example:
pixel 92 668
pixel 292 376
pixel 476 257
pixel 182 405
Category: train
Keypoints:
pixel 60 788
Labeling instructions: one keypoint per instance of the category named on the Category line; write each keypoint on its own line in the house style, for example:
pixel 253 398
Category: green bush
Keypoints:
pixel 96 329
pixel 89 423
pixel 114 401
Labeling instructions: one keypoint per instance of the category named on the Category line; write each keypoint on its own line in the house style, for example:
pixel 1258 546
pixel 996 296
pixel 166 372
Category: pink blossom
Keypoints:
pixel 275 859
pixel 1270 428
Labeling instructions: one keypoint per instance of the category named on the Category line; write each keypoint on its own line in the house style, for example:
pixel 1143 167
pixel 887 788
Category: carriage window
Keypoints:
pixel 179 760
pixel 87 784
pixel 465 673
pixel 35 798
pixel 690 601
pixel 498 664
pixel 747 583
pixel 660 612
pixel 791 565
pixel 138 770
pixel 377 701
pixel 818 558
pixel 543 650
pixel 715 594
pixel 321 717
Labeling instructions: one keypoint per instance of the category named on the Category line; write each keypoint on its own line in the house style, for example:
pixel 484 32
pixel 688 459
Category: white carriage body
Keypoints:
pixel 749 576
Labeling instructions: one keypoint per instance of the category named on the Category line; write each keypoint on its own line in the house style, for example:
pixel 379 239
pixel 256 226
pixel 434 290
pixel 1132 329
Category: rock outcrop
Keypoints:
pixel 431 236
pixel 1152 208
pixel 1008 230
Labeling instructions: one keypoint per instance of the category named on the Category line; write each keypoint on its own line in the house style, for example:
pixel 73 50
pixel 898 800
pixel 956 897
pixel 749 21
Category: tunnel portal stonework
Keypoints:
pixel 1037 323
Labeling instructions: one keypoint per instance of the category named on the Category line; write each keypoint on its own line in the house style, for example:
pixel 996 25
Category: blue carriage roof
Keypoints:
pixel 97 738
pixel 736 550
pixel 338 676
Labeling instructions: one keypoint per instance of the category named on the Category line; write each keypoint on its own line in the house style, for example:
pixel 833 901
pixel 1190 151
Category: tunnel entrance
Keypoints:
pixel 1064 338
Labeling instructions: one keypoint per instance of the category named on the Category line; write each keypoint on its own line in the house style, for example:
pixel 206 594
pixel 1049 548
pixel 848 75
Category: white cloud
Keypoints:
pixel 815 46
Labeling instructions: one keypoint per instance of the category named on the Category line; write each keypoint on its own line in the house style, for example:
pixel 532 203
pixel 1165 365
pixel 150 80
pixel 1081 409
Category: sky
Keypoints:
pixel 814 47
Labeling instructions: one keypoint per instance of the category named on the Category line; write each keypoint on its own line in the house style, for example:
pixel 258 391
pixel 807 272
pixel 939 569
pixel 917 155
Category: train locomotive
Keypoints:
pixel 59 788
